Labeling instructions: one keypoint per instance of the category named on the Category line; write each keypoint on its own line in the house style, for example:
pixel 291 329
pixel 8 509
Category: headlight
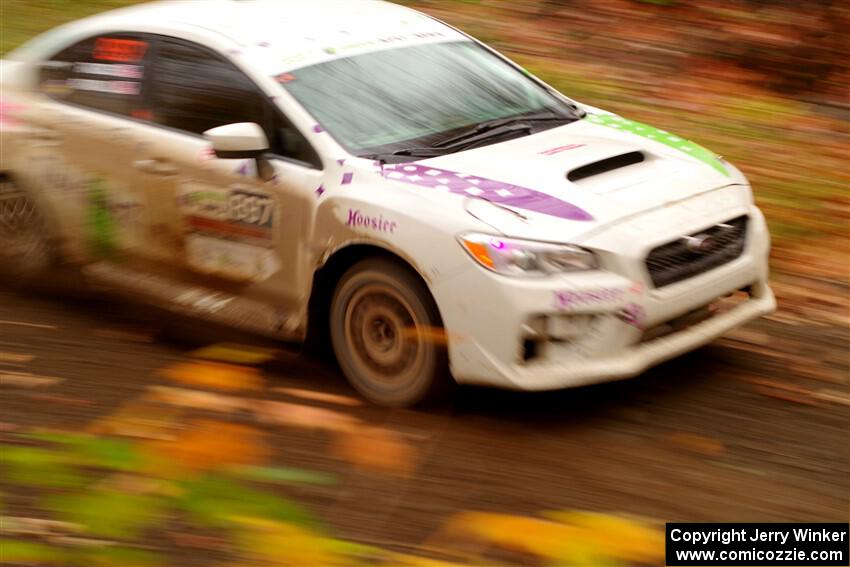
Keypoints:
pixel 529 258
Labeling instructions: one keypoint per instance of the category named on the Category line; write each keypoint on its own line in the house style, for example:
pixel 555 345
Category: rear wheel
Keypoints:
pixel 26 250
pixel 386 333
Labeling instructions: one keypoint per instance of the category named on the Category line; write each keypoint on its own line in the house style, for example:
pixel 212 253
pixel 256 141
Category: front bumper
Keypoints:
pixel 597 321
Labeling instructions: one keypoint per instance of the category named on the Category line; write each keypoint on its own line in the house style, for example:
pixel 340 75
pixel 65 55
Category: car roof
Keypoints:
pixel 291 33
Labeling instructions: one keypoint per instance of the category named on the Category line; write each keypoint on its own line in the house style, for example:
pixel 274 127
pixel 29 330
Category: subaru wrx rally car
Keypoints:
pixel 357 172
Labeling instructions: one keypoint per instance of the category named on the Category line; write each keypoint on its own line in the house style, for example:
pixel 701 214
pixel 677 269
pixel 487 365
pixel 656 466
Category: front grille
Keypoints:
pixel 679 260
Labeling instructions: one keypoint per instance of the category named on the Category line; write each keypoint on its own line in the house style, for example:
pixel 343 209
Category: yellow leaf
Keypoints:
pixel 282 544
pixel 527 535
pixel 619 538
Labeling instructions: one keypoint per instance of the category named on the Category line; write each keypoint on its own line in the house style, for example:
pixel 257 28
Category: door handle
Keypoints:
pixel 156 166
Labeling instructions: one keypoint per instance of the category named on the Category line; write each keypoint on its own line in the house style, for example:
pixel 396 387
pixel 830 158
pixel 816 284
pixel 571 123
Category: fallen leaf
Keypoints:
pixel 785 396
pixel 833 396
pixel 214 375
pixel 26 380
pixel 744 335
pixel 140 420
pixel 25 324
pixel 62 400
pixel 208 445
pixel 235 353
pixel 196 399
pixel 315 396
pixel 305 417
pixel 697 443
pixel 132 336
pixel 15 358
pixel 376 449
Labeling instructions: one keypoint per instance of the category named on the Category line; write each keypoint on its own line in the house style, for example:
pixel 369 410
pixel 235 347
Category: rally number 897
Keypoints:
pixel 250 208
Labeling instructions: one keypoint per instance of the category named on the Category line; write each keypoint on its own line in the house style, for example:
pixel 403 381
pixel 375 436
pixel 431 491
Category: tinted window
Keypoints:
pixel 103 73
pixel 195 89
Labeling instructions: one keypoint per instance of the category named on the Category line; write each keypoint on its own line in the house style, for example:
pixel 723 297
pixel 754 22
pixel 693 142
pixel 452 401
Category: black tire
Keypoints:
pixel 386 333
pixel 27 252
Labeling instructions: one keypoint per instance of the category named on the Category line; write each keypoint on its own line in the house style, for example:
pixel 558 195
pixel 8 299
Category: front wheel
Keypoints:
pixel 386 330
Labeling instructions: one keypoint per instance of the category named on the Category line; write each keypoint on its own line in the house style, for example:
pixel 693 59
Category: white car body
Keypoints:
pixel 585 326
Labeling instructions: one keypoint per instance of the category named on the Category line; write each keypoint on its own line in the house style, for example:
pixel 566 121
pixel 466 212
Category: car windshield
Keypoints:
pixel 388 100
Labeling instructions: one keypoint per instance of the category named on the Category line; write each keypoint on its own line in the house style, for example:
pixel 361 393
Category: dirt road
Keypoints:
pixel 730 433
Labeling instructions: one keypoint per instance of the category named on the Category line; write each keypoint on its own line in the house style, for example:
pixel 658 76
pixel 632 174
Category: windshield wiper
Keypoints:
pixel 491 125
pixel 468 143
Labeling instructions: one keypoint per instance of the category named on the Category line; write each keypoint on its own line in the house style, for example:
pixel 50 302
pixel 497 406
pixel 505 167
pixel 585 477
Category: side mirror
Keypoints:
pixel 238 141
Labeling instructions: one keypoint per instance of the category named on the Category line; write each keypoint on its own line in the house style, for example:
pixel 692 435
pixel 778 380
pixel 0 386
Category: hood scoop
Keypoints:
pixel 605 165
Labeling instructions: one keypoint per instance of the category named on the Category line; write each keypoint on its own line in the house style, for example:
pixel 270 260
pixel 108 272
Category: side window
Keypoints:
pixel 195 89
pixel 104 73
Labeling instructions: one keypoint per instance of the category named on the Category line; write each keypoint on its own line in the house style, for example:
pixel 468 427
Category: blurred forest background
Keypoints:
pixel 766 83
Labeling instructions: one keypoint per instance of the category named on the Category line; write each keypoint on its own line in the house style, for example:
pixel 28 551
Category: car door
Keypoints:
pixel 79 152
pixel 217 217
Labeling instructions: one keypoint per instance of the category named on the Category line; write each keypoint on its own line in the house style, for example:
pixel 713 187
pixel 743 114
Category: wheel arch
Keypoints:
pixel 325 280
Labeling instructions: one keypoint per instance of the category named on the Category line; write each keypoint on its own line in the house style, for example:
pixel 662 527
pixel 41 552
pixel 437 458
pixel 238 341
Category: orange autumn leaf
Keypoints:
pixel 304 417
pixel 376 449
pixel 214 375
pixel 207 444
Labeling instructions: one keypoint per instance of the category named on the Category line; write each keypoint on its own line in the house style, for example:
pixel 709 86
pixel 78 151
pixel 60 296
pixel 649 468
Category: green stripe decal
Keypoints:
pixel 676 142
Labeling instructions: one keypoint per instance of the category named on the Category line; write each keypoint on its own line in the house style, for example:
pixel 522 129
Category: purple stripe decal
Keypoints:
pixel 473 186
pixel 347 178
pixel 317 128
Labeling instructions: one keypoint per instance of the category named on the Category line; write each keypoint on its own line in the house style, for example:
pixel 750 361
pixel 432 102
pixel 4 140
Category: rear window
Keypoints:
pixel 105 73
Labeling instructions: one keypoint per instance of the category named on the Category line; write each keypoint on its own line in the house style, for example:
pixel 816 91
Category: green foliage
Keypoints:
pixel 108 513
pixel 282 475
pixel 32 466
pixel 96 452
pixel 214 501
pixel 28 553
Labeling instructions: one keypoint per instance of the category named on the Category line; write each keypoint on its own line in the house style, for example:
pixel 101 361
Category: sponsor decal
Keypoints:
pixel 554 151
pixel 234 260
pixel 472 186
pixel 570 299
pixel 379 223
pixel 108 69
pixel 119 50
pixel 662 136
pixel 237 215
pixel 347 178
pixel 112 87
pixel 111 218
pixel 634 315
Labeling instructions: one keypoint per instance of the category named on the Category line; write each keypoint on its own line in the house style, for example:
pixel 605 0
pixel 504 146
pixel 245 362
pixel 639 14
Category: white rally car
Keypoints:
pixel 355 171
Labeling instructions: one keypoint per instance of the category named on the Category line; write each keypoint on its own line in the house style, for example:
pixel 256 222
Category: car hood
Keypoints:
pixel 571 180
